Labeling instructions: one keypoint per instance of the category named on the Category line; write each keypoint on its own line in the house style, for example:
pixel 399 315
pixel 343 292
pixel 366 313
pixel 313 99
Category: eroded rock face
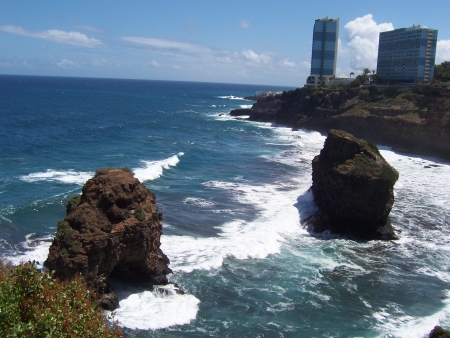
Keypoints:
pixel 113 228
pixel 353 187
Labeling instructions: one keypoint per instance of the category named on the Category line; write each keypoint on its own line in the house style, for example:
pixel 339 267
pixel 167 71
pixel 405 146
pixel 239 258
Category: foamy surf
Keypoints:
pixel 154 169
pixel 60 176
pixel 232 97
pixel 401 325
pixel 157 309
pixel 239 238
pixel 34 248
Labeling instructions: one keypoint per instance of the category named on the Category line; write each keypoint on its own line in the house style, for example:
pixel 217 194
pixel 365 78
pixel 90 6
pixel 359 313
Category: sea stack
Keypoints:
pixel 353 186
pixel 112 229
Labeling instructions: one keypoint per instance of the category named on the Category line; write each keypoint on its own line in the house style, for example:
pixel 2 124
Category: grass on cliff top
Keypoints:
pixel 33 304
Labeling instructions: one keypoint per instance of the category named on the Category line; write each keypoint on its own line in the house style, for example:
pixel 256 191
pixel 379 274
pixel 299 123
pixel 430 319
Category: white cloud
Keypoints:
pixel 168 44
pixel 66 63
pixel 55 35
pixel 245 24
pixel 288 64
pixel 255 58
pixel 362 35
pixel 442 51
pixel 154 64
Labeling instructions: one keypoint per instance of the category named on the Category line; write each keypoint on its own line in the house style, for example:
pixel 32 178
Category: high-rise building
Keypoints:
pixel 324 51
pixel 407 54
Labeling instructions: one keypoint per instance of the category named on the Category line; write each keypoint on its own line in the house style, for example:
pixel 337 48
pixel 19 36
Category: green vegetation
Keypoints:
pixel 139 214
pixel 361 165
pixel 442 72
pixel 64 234
pixel 74 202
pixel 126 169
pixel 103 171
pixel 33 304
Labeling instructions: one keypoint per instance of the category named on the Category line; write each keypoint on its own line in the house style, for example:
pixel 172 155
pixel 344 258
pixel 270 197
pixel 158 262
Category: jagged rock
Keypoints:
pixel 353 187
pixel 112 229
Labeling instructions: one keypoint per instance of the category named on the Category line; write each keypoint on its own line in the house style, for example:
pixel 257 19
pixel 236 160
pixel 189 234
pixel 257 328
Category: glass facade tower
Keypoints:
pixel 407 55
pixel 324 51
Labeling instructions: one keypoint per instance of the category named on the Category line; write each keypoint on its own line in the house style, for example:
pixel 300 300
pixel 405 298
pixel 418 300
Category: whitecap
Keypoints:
pixel 157 309
pixel 154 169
pixel 34 248
pixel 61 176
pixel 232 97
pixel 198 202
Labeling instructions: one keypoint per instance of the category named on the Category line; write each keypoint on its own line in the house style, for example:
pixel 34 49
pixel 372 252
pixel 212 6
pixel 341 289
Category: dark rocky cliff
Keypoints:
pixel 113 228
pixel 353 187
pixel 413 120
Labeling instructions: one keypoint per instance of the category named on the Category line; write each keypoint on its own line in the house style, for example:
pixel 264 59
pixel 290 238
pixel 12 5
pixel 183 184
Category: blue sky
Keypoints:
pixel 254 42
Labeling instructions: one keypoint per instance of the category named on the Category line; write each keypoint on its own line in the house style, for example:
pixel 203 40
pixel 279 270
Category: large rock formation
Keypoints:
pixel 353 187
pixel 112 229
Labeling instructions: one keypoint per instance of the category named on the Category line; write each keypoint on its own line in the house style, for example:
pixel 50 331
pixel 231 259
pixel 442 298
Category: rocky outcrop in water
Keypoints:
pixel 353 187
pixel 112 229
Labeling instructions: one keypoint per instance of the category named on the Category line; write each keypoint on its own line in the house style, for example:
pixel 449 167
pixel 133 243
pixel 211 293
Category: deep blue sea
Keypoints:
pixel 233 194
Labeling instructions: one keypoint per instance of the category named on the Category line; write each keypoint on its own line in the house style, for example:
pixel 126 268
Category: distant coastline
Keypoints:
pixel 413 120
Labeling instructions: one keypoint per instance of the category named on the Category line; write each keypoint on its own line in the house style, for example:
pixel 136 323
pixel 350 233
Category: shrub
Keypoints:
pixel 33 304
pixel 73 203
pixel 139 214
pixel 126 169
pixel 103 171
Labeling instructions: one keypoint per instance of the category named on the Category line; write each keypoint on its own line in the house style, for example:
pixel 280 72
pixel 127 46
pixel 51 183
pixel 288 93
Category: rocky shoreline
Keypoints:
pixel 414 120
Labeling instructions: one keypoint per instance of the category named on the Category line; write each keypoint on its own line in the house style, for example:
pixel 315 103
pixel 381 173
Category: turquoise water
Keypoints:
pixel 233 194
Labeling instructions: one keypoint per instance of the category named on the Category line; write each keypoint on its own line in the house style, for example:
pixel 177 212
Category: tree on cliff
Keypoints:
pixel 33 304
pixel 442 72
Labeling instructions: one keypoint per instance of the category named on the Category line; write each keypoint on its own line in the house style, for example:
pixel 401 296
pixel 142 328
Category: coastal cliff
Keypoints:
pixel 353 187
pixel 112 229
pixel 415 119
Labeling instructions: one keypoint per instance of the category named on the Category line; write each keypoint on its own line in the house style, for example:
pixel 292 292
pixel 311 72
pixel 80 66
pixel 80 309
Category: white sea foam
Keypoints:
pixel 246 106
pixel 276 219
pixel 151 310
pixel 400 325
pixel 231 97
pixel 198 202
pixel 33 248
pixel 154 169
pixel 61 176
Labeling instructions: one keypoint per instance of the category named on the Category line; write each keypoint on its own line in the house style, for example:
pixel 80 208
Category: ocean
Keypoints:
pixel 233 194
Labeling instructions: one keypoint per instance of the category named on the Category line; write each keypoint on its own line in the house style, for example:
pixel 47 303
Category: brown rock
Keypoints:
pixel 112 229
pixel 353 186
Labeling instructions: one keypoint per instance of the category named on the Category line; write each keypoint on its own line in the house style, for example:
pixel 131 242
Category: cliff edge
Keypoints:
pixel 411 119
pixel 353 187
pixel 112 229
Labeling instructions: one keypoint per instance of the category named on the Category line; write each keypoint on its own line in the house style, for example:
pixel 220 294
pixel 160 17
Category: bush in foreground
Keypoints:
pixel 33 304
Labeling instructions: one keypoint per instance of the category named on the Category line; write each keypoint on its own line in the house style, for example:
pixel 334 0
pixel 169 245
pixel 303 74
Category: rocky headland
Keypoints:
pixel 410 119
pixel 112 229
pixel 353 187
